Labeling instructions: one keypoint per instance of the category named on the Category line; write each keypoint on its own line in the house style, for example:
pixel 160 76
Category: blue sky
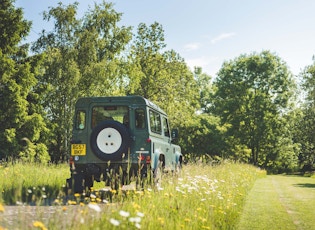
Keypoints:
pixel 208 32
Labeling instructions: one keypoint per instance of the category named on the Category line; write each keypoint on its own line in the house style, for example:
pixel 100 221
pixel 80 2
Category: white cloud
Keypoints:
pixel 221 37
pixel 192 46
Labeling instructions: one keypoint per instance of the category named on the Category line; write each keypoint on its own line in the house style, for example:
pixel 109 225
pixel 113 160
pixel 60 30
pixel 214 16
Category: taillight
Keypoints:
pixel 147 159
pixel 148 140
pixel 71 162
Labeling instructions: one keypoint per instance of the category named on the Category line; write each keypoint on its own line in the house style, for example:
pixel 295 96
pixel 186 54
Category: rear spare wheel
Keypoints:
pixel 109 140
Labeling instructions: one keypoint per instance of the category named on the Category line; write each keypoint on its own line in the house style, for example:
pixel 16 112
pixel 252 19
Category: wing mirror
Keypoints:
pixel 174 134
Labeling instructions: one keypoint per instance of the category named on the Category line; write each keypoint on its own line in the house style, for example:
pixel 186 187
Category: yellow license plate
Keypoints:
pixel 78 150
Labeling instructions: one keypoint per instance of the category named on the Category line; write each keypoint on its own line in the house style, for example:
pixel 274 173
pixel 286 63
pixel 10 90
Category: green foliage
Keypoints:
pixel 253 95
pixel 17 82
pixel 32 153
pixel 305 122
pixel 202 134
pixel 205 88
pixel 100 45
pixel 12 26
pixel 161 76
pixel 82 59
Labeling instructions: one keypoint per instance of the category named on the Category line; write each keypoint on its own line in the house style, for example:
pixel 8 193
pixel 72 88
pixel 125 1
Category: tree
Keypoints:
pixel 61 76
pixel 18 118
pixel 100 46
pixel 205 88
pixel 253 94
pixel 305 121
pixel 161 76
pixel 82 59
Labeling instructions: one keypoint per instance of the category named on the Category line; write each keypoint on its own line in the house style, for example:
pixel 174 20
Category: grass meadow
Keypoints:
pixel 199 197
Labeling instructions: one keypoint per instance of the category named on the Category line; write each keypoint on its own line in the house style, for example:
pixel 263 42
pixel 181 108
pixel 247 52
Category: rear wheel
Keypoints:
pixel 78 183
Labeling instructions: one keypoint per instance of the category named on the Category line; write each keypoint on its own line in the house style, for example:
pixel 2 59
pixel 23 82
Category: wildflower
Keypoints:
pixel 105 201
pixel 140 214
pixel 77 194
pixel 105 189
pixel 138 226
pixel 71 202
pixel 139 193
pixel 92 196
pixel 44 196
pixel 64 208
pixel 114 222
pixel 29 190
pixel 38 224
pixel 135 205
pixel 135 219
pixel 1 208
pixel 19 203
pixel 124 213
pixel 161 220
pixel 95 207
pixel 187 220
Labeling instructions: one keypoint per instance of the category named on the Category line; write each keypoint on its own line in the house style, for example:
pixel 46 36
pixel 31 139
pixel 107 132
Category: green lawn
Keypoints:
pixel 280 202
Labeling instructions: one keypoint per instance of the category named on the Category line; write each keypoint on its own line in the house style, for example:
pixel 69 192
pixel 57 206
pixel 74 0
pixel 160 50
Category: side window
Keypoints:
pixel 155 122
pixel 139 119
pixel 166 127
pixel 80 119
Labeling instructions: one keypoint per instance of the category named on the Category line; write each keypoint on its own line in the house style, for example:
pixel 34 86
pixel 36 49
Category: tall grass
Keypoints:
pixel 29 183
pixel 200 197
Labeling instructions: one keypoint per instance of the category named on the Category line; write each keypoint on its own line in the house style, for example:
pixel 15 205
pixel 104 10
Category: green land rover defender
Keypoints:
pixel 120 137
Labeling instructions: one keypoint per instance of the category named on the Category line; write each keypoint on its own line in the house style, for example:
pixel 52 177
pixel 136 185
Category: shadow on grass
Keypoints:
pixel 305 185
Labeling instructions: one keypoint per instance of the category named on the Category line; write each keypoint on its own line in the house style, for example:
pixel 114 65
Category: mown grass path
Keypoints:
pixel 280 202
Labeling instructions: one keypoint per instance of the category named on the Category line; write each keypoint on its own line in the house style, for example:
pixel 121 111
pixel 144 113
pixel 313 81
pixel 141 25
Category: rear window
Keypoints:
pixel 116 113
pixel 140 119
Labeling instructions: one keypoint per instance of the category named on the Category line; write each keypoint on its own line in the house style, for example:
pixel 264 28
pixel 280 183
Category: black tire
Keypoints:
pixel 88 182
pixel 109 140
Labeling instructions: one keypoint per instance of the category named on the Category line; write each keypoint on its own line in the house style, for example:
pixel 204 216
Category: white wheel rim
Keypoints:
pixel 109 140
